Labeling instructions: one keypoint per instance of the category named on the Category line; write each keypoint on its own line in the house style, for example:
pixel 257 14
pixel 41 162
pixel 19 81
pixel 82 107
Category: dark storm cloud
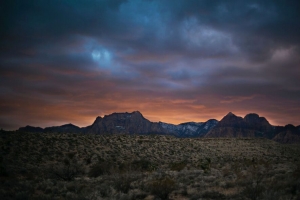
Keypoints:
pixel 134 21
pixel 68 61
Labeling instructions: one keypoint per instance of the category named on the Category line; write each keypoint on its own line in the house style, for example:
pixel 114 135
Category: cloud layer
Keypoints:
pixel 175 61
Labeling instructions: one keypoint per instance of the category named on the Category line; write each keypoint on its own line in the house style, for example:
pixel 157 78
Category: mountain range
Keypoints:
pixel 252 125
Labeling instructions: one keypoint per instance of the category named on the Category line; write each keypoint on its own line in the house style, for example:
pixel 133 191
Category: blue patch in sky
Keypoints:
pixel 102 56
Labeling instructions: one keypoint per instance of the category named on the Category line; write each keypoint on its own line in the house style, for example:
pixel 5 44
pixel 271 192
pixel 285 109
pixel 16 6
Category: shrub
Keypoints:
pixel 255 188
pixel 178 166
pixel 21 195
pixel 162 187
pixel 253 191
pixel 105 190
pixel 100 168
pixel 3 171
pixel 67 170
pixel 143 165
pixel 206 165
pixel 122 183
pixel 213 195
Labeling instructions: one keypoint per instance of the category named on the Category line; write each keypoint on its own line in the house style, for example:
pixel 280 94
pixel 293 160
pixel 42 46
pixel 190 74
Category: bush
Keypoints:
pixel 100 168
pixel 213 195
pixel 105 190
pixel 178 166
pixel 3 171
pixel 162 187
pixel 253 192
pixel 206 165
pixel 122 183
pixel 256 185
pixel 67 170
pixel 143 165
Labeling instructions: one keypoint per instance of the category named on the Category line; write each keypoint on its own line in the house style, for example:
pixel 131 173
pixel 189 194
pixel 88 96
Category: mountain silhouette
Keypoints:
pixel 251 126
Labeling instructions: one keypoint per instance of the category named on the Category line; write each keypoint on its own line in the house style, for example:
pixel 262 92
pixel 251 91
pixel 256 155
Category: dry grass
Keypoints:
pixel 145 167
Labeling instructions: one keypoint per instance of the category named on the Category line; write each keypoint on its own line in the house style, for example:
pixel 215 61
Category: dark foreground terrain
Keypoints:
pixel 77 166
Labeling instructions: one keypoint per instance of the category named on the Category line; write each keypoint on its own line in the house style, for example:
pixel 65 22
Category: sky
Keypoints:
pixel 173 60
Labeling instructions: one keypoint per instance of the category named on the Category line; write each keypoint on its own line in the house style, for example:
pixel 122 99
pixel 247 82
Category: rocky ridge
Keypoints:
pixel 131 123
pixel 252 125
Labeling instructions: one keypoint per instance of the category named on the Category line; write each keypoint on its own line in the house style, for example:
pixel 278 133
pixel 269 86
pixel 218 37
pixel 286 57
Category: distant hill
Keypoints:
pixel 31 129
pixel 67 128
pixel 252 125
pixel 289 134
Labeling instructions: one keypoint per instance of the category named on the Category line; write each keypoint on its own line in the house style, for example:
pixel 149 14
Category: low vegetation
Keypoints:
pixel 77 166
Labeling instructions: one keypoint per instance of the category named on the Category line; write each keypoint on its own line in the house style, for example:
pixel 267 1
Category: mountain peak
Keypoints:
pixel 137 113
pixel 230 119
pixel 98 119
pixel 230 114
pixel 252 115
pixel 253 118
pixel 290 126
pixel 69 125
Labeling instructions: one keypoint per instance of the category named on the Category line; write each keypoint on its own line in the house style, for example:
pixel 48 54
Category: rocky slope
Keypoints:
pixel 189 129
pixel 181 130
pixel 135 123
pixel 124 123
pixel 288 134
pixel 250 126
